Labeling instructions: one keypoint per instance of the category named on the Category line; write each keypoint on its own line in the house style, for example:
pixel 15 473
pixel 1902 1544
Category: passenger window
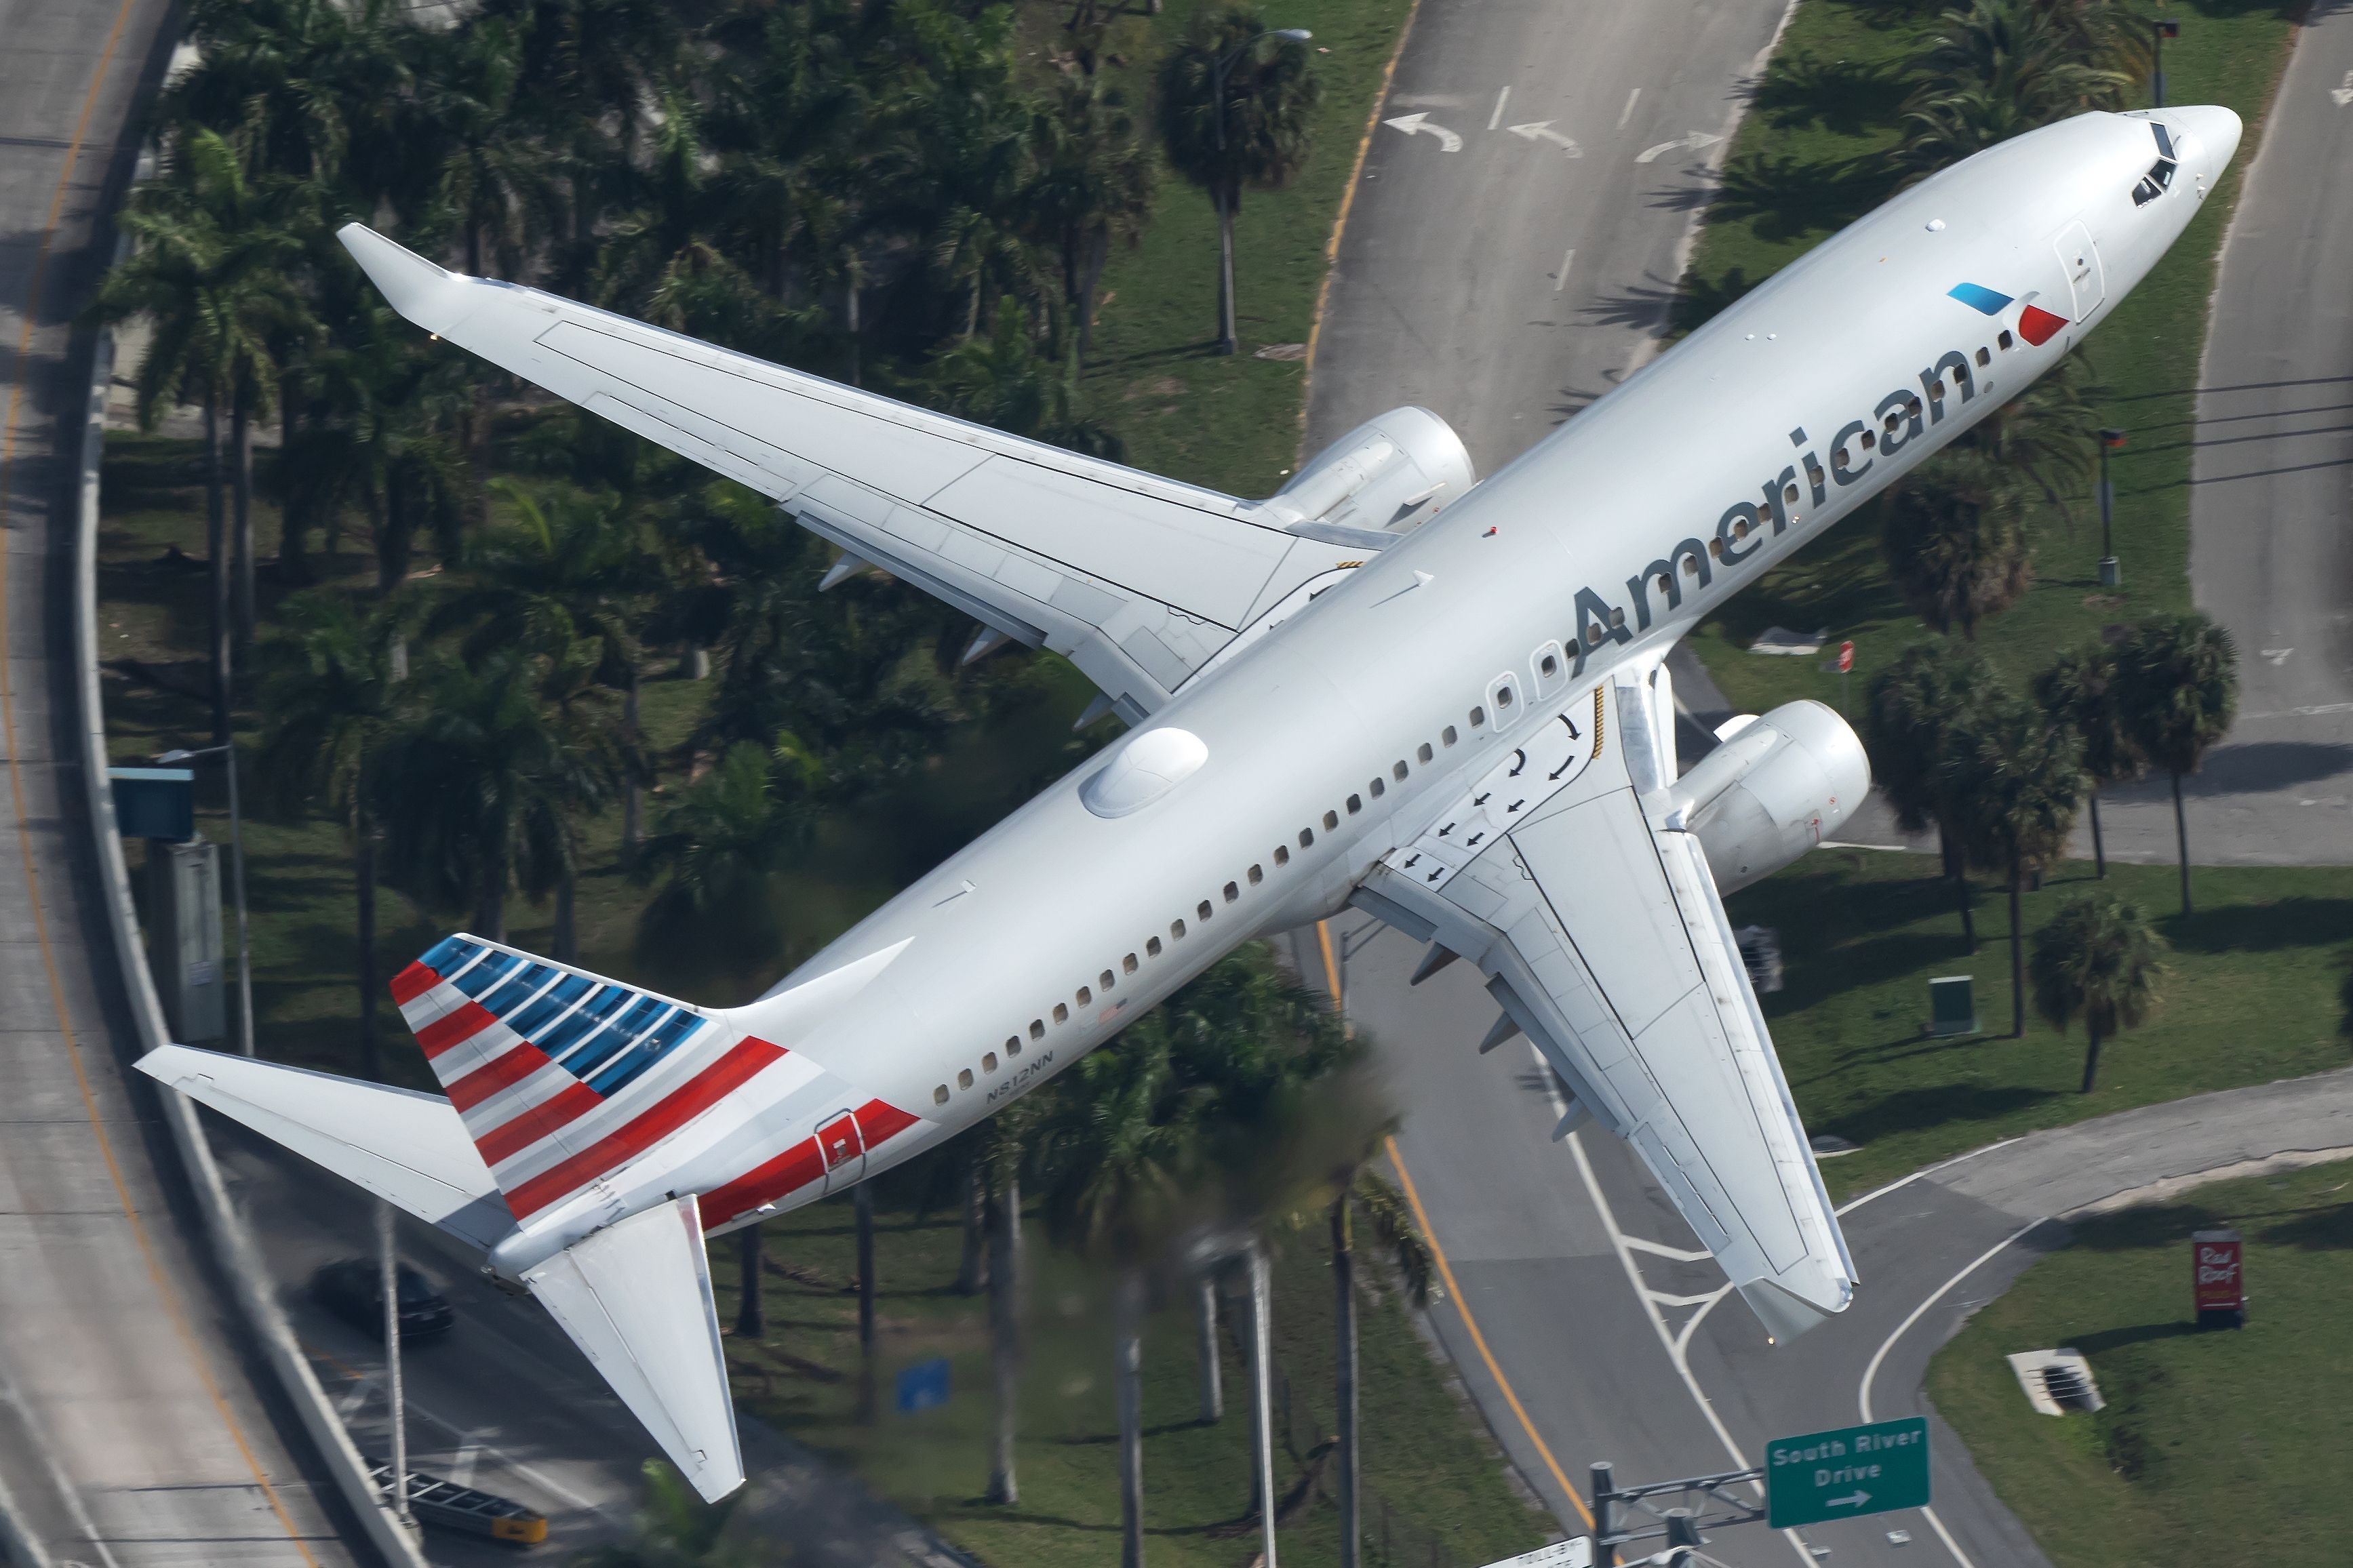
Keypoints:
pixel 988 1061
pixel 1355 805
pixel 1505 698
pixel 1789 494
pixel 1037 1029
pixel 939 1095
pixel 1283 855
pixel 1447 734
pixel 1307 834
pixel 1061 1013
pixel 1399 772
pixel 1425 754
pixel 1012 1044
pixel 963 1079
pixel 1478 717
pixel 1177 930
pixel 1871 439
pixel 1256 876
pixel 1203 913
pixel 1105 983
pixel 1332 819
pixel 1379 789
pixel 1985 357
pixel 1128 963
pixel 1086 997
pixel 2004 341
pixel 1232 892
pixel 1151 948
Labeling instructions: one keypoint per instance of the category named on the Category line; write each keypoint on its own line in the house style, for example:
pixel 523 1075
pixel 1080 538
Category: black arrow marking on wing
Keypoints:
pixel 1519 760
pixel 1445 831
pixel 1483 799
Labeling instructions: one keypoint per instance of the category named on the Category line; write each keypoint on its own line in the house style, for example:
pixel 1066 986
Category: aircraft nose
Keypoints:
pixel 2214 129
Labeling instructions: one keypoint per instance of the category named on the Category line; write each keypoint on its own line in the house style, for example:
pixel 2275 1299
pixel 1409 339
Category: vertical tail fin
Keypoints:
pixel 562 1076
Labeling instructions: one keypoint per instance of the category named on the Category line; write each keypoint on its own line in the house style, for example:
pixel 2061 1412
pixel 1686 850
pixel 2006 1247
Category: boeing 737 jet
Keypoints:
pixel 1390 686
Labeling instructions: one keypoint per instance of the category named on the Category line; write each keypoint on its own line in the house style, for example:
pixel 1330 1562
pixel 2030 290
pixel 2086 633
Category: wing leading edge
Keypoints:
pixel 1140 581
pixel 1603 939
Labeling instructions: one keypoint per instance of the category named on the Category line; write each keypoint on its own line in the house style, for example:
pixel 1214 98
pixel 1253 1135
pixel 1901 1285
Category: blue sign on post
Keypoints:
pixel 923 1385
pixel 155 803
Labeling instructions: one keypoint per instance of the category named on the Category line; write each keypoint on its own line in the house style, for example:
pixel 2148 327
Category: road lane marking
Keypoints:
pixel 1871 1372
pixel 1626 114
pixel 2342 95
pixel 1852 1204
pixel 1497 118
pixel 1680 1255
pixel 1694 141
pixel 1418 123
pixel 1566 256
pixel 164 1293
pixel 1463 1306
pixel 1542 130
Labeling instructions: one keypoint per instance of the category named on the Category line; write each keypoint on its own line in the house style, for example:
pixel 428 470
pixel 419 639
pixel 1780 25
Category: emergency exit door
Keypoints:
pixel 843 1148
pixel 2081 258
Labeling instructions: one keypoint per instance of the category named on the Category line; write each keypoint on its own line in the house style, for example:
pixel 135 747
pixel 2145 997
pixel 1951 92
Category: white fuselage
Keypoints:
pixel 1334 739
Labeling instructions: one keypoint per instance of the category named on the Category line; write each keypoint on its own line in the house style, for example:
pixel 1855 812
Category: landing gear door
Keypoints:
pixel 2081 258
pixel 843 1148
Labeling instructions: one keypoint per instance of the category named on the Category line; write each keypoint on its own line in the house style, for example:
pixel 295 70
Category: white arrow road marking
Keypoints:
pixel 1857 1501
pixel 1448 142
pixel 1566 256
pixel 1695 141
pixel 1626 114
pixel 2342 95
pixel 1502 98
pixel 2277 655
pixel 1542 130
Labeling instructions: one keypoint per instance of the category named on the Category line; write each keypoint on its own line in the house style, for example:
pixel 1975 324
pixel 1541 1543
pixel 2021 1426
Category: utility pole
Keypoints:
pixel 1603 1489
pixel 2111 574
pixel 237 867
pixel 2159 31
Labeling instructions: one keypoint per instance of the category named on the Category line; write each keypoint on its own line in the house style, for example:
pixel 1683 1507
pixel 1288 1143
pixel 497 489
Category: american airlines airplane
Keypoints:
pixel 1389 686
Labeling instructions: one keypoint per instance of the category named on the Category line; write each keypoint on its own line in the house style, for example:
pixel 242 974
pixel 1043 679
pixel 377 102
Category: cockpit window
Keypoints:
pixel 2160 177
pixel 2164 141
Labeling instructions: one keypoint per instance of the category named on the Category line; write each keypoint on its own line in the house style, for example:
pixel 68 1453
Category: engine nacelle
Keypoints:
pixel 1386 475
pixel 1774 788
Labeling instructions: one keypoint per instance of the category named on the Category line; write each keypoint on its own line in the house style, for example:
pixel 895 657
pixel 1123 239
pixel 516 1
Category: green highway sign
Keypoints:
pixel 1847 1472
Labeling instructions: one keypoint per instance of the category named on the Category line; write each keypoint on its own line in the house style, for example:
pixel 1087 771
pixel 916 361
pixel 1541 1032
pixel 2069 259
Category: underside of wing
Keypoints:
pixel 1603 937
pixel 1140 581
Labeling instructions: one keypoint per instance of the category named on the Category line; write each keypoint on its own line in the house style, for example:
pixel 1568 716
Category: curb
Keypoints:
pixel 232 1246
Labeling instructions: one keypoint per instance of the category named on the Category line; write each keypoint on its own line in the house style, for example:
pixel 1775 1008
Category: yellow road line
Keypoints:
pixel 1340 222
pixel 24 825
pixel 1462 1305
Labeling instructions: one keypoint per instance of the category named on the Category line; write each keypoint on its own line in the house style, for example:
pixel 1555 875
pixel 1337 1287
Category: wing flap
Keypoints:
pixel 636 1298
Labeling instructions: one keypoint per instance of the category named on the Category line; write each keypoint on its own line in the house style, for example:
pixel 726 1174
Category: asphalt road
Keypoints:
pixel 1508 282
pixel 131 1429
pixel 2271 513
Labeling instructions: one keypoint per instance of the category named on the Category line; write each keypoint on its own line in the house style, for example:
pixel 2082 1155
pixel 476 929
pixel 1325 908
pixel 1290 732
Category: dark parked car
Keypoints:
pixel 353 1291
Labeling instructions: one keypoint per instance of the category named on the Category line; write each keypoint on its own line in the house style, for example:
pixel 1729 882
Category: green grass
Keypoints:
pixel 1425 1461
pixel 1234 423
pixel 2222 1446
pixel 2257 991
pixel 1813 132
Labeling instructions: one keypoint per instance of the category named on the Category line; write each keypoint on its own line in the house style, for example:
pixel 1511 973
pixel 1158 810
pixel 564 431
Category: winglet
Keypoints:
pixel 430 296
pixel 1784 1313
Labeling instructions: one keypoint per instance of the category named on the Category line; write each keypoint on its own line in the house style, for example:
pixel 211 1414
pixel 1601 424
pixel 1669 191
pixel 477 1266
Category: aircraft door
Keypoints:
pixel 843 1148
pixel 2081 258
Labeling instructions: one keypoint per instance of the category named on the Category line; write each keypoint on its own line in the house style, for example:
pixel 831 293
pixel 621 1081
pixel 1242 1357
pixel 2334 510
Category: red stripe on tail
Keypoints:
pixel 455 1028
pixel 537 1122
pixel 502 1072
pixel 412 982
pixel 697 1094
pixel 789 1172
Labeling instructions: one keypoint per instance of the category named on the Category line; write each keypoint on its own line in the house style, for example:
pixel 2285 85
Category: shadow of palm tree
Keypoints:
pixel 1785 196
pixel 1850 98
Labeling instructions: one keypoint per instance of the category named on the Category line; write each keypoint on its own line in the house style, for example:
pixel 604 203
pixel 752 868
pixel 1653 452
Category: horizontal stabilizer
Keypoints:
pixel 636 1298
pixel 409 1149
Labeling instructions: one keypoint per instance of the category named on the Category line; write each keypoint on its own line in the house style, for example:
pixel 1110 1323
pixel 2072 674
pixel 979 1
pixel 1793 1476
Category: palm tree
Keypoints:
pixel 330 698
pixel 564 572
pixel 2014 778
pixel 313 90
pixel 718 846
pixel 207 271
pixel 2179 678
pixel 677 1529
pixel 1092 185
pixel 1363 1190
pixel 2080 689
pixel 1912 710
pixel 1001 380
pixel 2098 957
pixel 1954 540
pixel 2044 435
pixel 1235 114
pixel 481 778
pixel 1997 68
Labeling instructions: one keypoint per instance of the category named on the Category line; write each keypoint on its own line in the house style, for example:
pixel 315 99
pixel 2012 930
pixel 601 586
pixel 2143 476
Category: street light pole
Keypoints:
pixel 2111 574
pixel 2158 32
pixel 237 874
pixel 388 1272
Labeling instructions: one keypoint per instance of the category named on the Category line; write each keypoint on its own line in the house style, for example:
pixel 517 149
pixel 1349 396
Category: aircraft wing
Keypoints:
pixel 1564 875
pixel 1140 581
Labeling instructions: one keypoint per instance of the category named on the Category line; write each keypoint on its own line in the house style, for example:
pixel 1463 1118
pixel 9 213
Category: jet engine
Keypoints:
pixel 1386 475
pixel 1774 788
